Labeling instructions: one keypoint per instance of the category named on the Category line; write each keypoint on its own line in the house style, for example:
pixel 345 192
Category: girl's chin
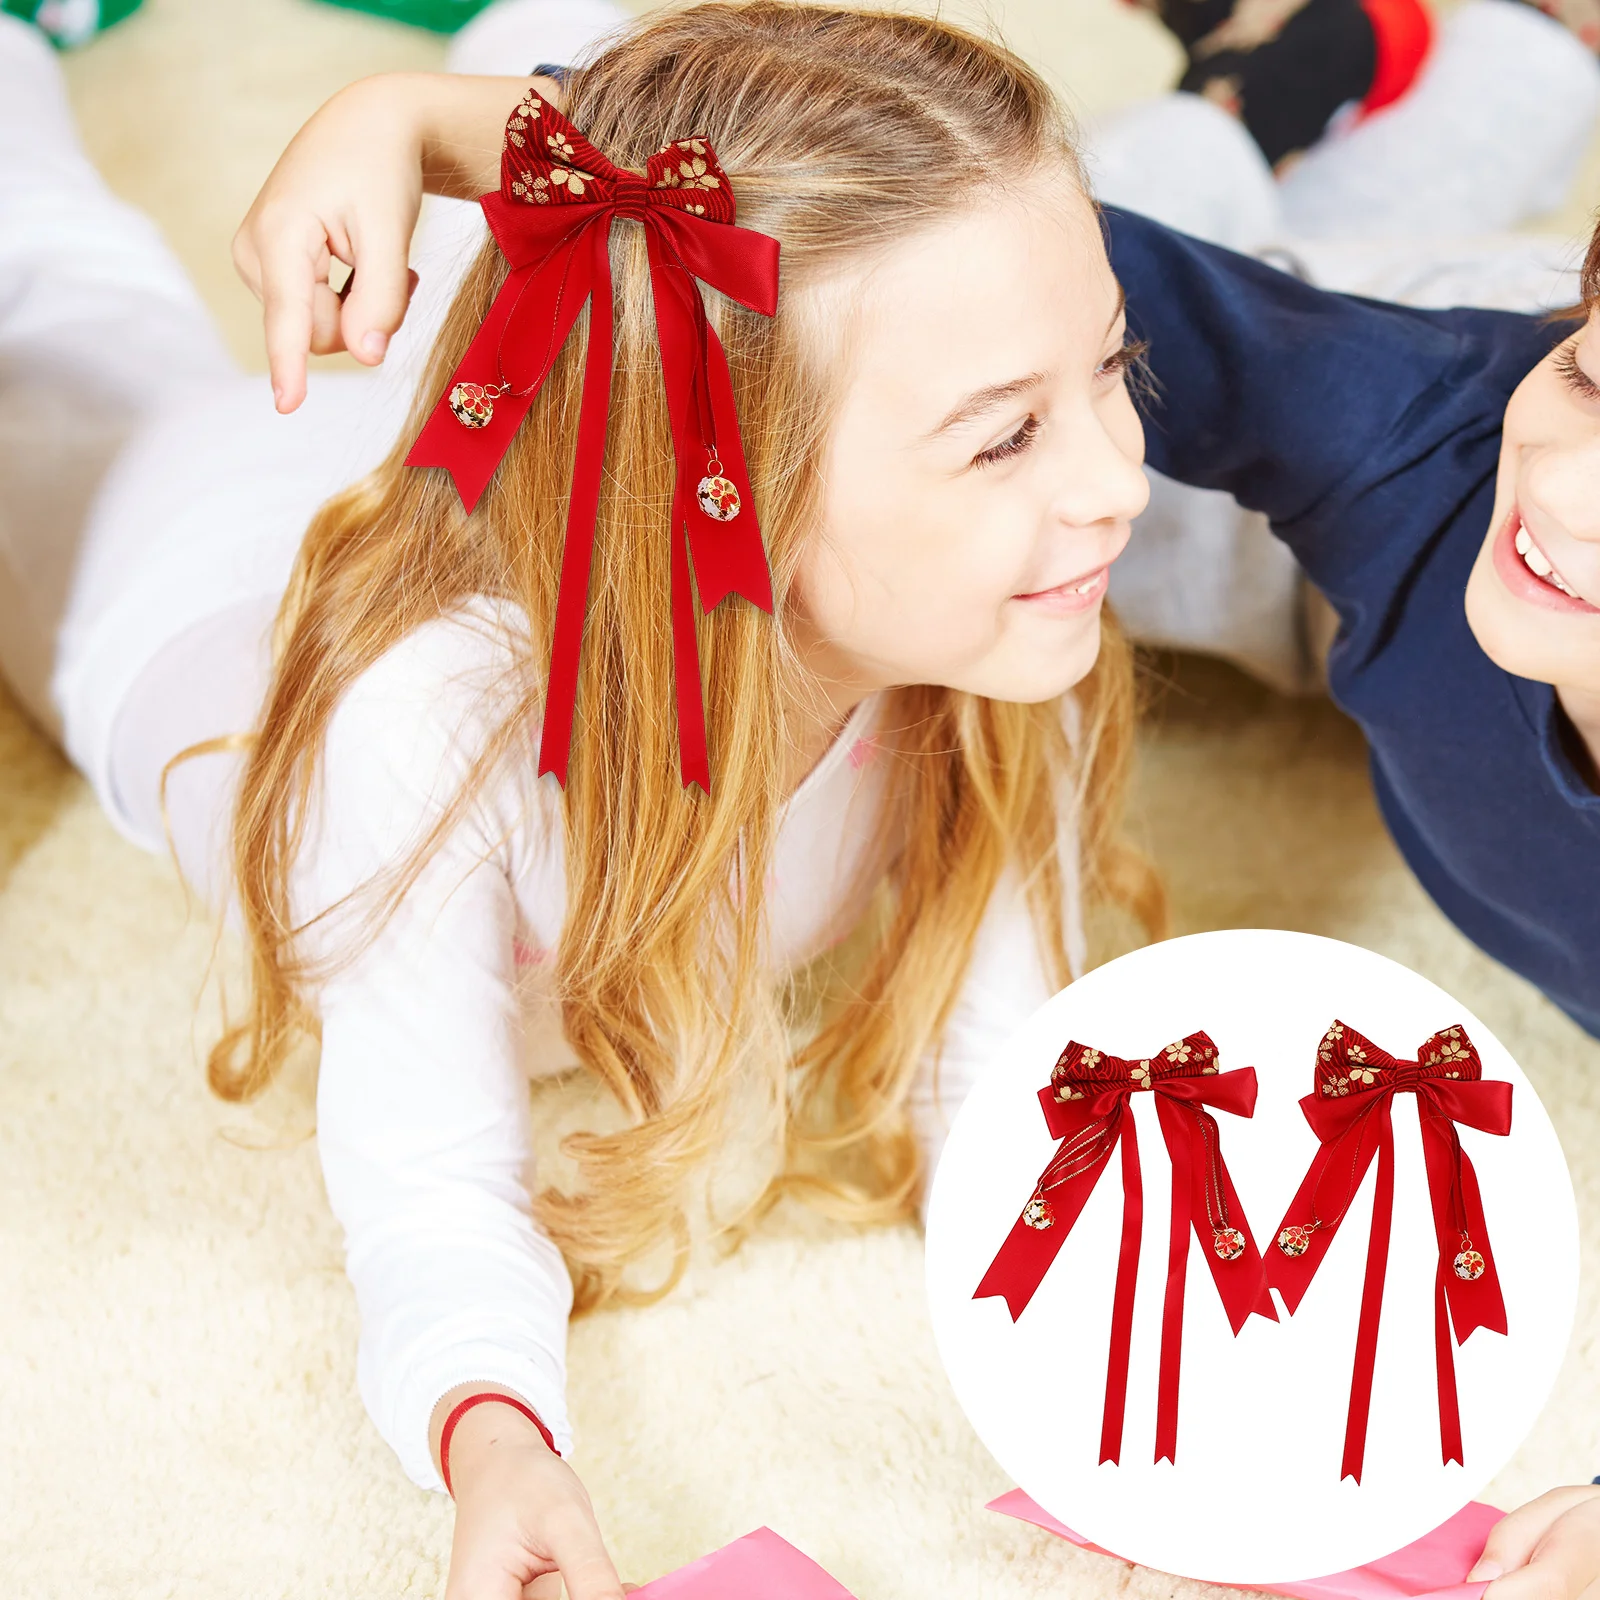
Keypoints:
pixel 1511 633
pixel 1047 671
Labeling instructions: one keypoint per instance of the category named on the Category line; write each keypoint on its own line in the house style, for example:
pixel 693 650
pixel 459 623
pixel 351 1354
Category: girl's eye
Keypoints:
pixel 1575 378
pixel 1015 445
pixel 1128 356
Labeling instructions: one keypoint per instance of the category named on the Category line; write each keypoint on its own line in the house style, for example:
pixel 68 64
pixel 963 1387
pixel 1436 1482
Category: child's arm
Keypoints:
pixel 349 187
pixel 1342 419
pixel 422 1105
pixel 521 1513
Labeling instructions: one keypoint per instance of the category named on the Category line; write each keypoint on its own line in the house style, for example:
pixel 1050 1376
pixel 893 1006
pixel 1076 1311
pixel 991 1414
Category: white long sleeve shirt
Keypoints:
pixel 431 1032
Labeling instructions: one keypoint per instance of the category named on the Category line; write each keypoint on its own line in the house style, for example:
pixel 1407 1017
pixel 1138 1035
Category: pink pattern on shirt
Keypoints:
pixel 863 751
pixel 528 955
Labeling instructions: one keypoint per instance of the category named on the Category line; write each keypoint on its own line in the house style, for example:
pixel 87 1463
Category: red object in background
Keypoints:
pixel 1403 30
pixel 1434 1567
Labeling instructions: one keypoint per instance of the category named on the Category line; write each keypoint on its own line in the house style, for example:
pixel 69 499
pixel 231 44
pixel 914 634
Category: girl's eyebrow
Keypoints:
pixel 986 399
pixel 995 394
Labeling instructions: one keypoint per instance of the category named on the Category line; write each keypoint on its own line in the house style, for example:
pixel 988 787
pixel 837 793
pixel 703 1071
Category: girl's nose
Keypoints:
pixel 1102 474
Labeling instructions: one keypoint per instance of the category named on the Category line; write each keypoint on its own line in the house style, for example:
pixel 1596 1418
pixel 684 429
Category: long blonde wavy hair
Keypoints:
pixel 843 132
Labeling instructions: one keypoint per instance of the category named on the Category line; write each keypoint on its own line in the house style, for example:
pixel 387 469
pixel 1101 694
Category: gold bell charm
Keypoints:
pixel 1295 1240
pixel 718 495
pixel 1469 1263
pixel 472 404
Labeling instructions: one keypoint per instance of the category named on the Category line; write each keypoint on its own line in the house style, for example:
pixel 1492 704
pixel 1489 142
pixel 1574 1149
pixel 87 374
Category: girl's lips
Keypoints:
pixel 1079 594
pixel 1514 574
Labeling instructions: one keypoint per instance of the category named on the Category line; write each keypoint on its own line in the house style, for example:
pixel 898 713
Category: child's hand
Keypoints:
pixel 1548 1549
pixel 349 187
pixel 524 1524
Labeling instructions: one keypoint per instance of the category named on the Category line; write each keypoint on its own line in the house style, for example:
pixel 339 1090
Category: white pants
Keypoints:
pixel 1410 205
pixel 151 499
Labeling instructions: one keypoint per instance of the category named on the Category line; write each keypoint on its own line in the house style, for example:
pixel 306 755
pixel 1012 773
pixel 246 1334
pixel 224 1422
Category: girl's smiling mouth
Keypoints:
pixel 1076 595
pixel 1528 573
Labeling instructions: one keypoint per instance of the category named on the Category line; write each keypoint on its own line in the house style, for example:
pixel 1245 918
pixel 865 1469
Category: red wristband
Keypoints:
pixel 461 1410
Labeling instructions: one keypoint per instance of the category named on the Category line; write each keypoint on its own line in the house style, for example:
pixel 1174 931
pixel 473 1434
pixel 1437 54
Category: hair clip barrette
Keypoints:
pixel 1086 1108
pixel 1350 1113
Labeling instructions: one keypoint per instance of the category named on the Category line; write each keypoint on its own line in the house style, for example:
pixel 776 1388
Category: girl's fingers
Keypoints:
pixel 326 309
pixel 546 1588
pixel 381 290
pixel 288 273
pixel 1564 1565
pixel 1515 1536
pixel 577 1549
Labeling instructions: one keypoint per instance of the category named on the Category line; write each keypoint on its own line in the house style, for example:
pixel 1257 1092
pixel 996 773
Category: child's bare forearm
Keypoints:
pixel 461 122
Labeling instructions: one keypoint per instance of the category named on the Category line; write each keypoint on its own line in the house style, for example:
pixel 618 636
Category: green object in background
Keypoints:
pixel 442 16
pixel 66 23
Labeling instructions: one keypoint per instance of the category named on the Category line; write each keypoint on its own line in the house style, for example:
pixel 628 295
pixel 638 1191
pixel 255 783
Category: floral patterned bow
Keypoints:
pixel 1350 1113
pixel 551 217
pixel 1086 1108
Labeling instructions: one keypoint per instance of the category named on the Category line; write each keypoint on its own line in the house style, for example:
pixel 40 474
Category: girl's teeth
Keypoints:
pixel 1085 586
pixel 1534 559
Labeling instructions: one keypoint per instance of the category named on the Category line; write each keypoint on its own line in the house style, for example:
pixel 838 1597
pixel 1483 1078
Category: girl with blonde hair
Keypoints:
pixel 914 741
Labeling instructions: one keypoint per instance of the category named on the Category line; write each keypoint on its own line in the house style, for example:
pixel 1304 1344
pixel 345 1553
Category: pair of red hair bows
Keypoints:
pixel 1086 1107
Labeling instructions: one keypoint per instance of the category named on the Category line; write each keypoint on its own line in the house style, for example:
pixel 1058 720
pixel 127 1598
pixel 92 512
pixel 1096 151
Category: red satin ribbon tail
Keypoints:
pixel 1242 1283
pixel 694 758
pixel 1019 1266
pixel 1355 1434
pixel 1180 1129
pixel 1291 1275
pixel 720 558
pixel 527 325
pixel 1474 1303
pixel 583 506
pixel 1445 1365
pixel 1024 1258
pixel 1114 1408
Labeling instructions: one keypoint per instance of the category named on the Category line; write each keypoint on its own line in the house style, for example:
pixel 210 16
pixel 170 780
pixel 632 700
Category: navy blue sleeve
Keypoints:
pixel 1347 421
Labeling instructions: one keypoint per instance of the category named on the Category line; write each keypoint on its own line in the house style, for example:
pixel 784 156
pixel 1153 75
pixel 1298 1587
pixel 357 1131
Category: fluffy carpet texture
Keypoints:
pixel 177 1337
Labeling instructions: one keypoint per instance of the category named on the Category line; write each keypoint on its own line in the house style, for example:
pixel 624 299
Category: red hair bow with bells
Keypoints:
pixel 1086 1108
pixel 552 219
pixel 1350 1112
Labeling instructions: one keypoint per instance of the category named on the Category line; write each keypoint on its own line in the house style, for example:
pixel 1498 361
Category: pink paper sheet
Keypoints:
pixel 1433 1568
pixel 760 1566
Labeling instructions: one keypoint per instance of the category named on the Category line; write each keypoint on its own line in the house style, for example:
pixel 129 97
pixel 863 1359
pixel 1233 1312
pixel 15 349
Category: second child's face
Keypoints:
pixel 985 463
pixel 1533 599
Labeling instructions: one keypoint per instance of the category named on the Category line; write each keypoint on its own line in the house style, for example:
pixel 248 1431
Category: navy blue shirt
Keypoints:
pixel 1370 435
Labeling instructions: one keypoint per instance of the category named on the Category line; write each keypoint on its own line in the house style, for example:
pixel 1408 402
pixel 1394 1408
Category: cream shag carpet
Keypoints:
pixel 177 1337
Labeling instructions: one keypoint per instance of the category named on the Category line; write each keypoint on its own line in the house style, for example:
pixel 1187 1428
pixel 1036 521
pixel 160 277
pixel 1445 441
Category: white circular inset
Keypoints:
pixel 1255 1494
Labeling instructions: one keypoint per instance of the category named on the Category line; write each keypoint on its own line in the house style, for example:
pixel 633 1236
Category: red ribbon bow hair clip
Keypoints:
pixel 1086 1108
pixel 552 219
pixel 1350 1112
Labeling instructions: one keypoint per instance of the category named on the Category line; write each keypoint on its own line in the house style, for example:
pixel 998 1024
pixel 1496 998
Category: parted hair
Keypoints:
pixel 843 133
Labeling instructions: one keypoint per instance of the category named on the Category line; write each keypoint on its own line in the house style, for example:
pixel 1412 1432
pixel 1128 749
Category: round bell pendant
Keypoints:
pixel 472 404
pixel 1037 1213
pixel 1228 1243
pixel 718 497
pixel 1295 1240
pixel 1469 1266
